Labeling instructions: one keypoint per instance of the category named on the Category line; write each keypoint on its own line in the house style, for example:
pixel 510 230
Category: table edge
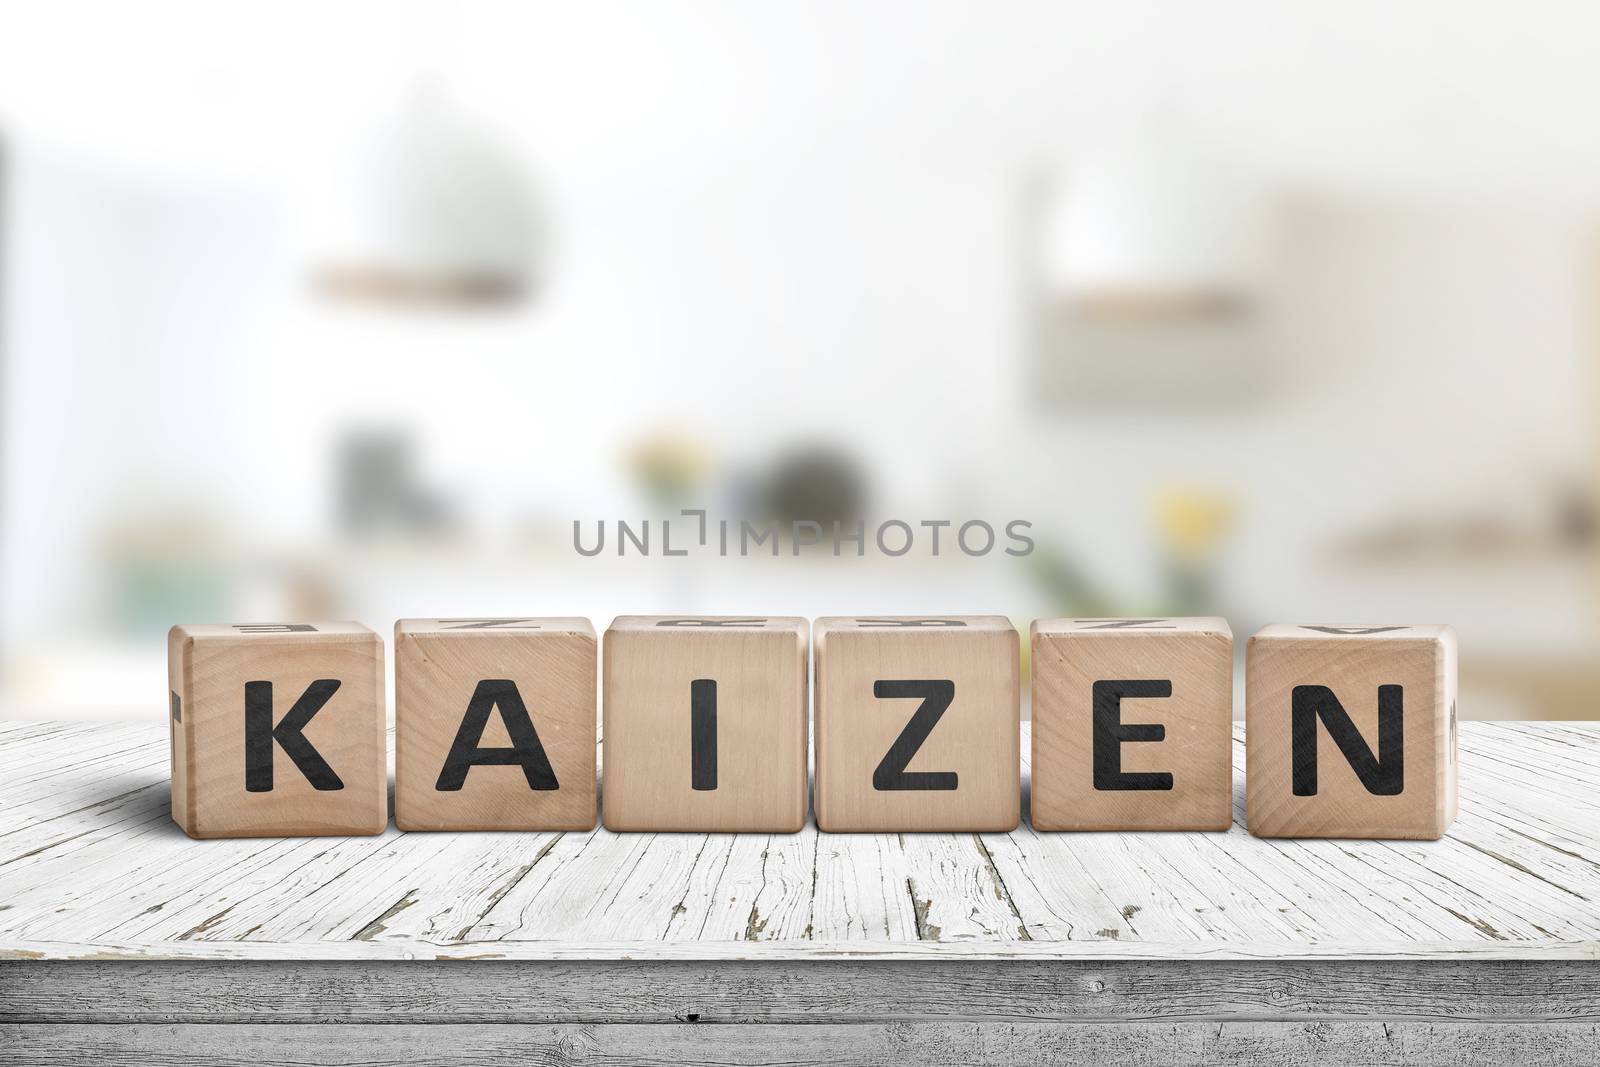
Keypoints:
pixel 735 951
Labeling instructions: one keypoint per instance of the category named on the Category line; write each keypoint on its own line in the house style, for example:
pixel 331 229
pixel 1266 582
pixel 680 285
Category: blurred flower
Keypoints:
pixel 1192 522
pixel 668 466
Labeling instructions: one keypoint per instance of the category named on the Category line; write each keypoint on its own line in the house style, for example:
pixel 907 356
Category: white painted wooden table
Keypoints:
pixel 123 941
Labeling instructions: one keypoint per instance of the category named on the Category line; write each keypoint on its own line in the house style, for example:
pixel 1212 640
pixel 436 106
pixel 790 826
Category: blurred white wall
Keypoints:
pixel 781 222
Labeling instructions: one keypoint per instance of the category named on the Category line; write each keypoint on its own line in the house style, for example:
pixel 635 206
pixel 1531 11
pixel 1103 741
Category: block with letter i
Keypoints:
pixel 277 729
pixel 494 724
pixel 918 724
pixel 705 723
pixel 1350 731
pixel 1132 724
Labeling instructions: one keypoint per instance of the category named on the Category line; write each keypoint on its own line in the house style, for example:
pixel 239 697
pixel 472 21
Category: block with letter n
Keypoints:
pixel 705 723
pixel 277 729
pixel 918 725
pixel 495 724
pixel 1132 724
pixel 1350 731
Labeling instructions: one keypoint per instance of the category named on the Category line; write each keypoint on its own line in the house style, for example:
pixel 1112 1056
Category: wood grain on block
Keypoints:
pixel 1352 731
pixel 918 724
pixel 495 724
pixel 1132 724
pixel 705 723
pixel 277 729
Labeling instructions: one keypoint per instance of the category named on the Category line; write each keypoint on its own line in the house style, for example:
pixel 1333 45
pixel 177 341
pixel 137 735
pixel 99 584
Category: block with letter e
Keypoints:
pixel 705 723
pixel 277 729
pixel 494 724
pixel 1132 724
pixel 1350 731
pixel 918 725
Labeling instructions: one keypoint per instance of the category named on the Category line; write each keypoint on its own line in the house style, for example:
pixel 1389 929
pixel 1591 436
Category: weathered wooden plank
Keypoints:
pixel 1541 843
pixel 89 890
pixel 382 884
pixel 50 758
pixel 1568 745
pixel 103 817
pixel 726 874
pixel 783 991
pixel 863 890
pixel 20 729
pixel 1529 852
pixel 1561 778
pixel 241 883
pixel 1349 895
pixel 879 1044
pixel 1521 872
pixel 1583 734
pixel 1409 886
pixel 66 791
pixel 654 891
pixel 579 881
pixel 1254 905
pixel 955 892
pixel 1153 905
pixel 68 743
pixel 1346 906
pixel 765 891
pixel 1056 896
pixel 444 901
pixel 744 949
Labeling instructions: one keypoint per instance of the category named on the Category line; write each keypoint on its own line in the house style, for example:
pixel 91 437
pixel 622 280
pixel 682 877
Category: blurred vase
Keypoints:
pixel 1156 228
pixel 431 212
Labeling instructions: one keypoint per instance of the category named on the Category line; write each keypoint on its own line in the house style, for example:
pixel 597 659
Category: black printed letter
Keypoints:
pixel 1383 776
pixel 259 734
pixel 526 751
pixel 891 773
pixel 703 734
pixel 1110 732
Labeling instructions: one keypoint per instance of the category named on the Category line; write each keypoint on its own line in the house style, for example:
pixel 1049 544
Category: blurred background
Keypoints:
pixel 1279 312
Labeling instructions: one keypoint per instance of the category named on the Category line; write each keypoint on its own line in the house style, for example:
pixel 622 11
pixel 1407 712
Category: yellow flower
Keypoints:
pixel 1192 521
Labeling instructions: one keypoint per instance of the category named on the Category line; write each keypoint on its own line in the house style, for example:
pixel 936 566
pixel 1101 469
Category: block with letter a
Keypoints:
pixel 918 724
pixel 1350 731
pixel 1132 724
pixel 495 724
pixel 705 723
pixel 277 729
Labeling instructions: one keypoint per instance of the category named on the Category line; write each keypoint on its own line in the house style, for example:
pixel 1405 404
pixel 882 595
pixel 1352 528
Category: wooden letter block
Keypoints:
pixel 705 724
pixel 1350 731
pixel 277 730
pixel 1132 724
pixel 918 726
pixel 494 724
